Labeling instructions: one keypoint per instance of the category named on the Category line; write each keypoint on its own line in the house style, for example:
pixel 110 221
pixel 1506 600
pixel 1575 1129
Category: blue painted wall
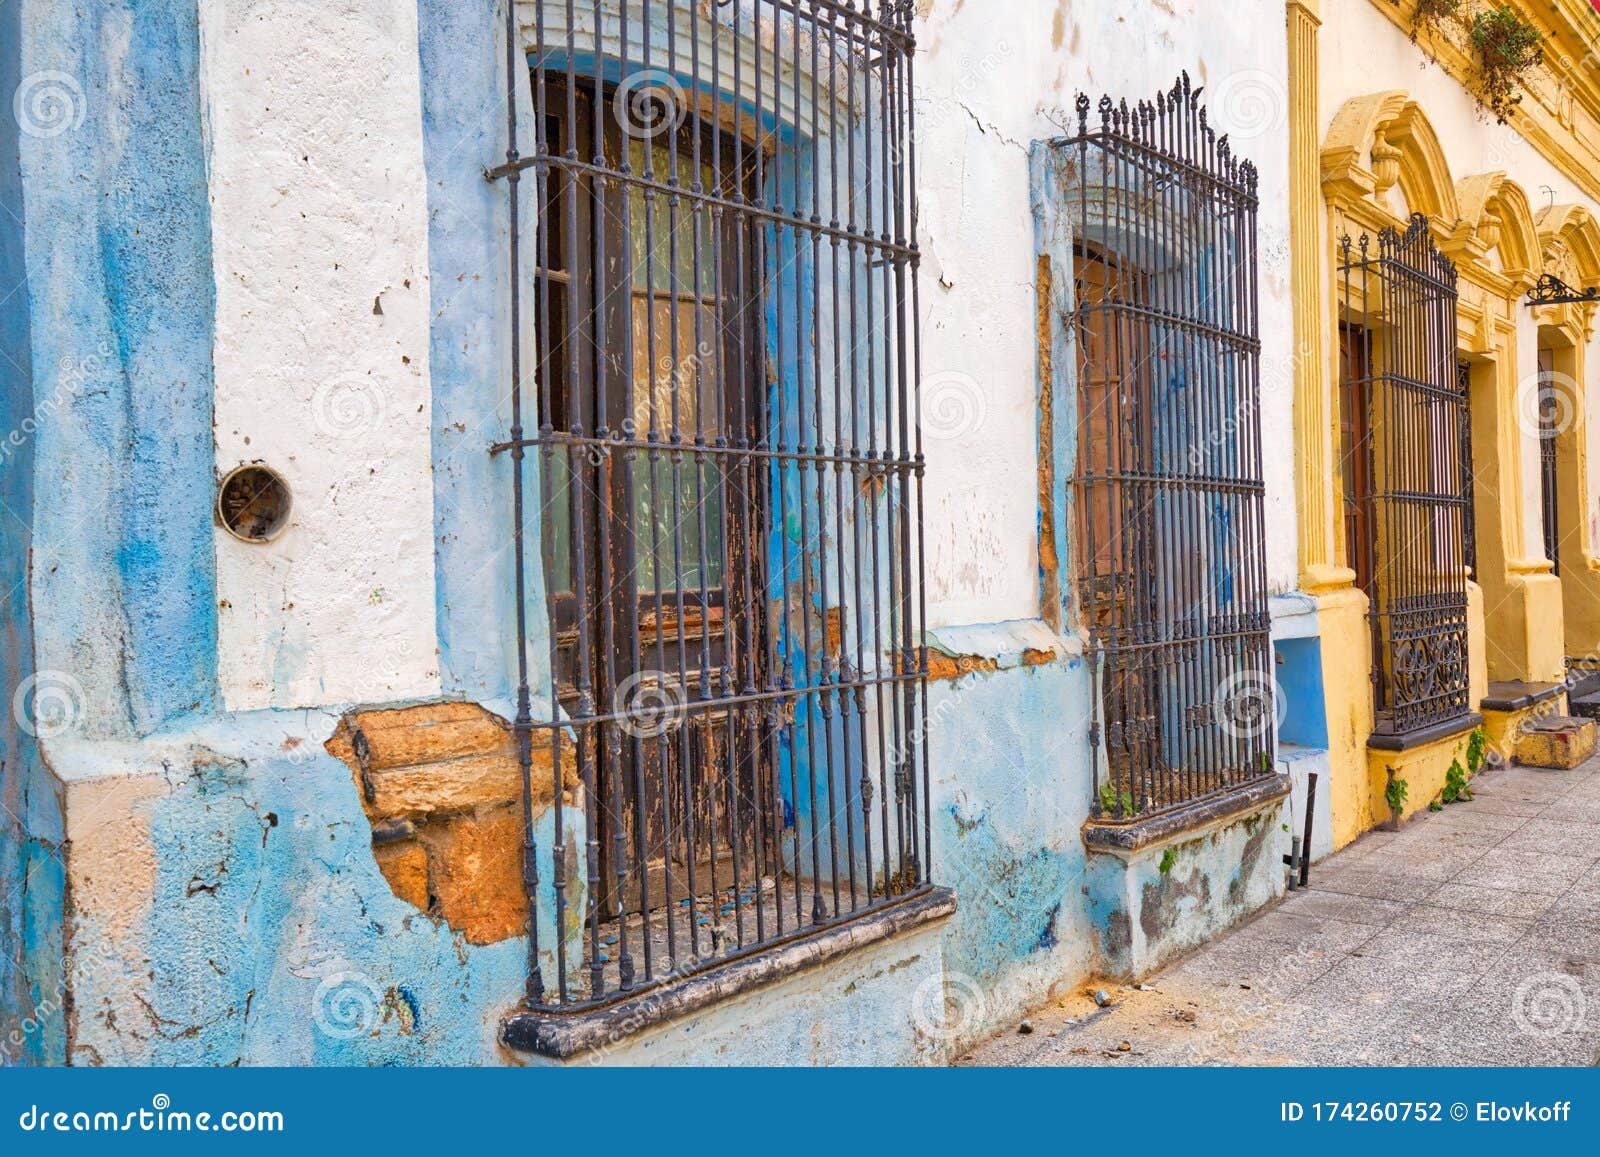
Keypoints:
pixel 119 263
pixel 279 940
pixel 1299 672
pixel 1009 756
pixel 464 131
pixel 32 1026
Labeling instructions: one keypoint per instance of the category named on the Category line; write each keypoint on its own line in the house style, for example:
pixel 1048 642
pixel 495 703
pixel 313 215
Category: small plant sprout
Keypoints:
pixel 1477 745
pixel 1395 794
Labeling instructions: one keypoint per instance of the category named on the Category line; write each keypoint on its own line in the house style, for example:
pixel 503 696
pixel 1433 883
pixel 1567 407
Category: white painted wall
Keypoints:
pixel 318 211
pixel 1362 52
pixel 993 76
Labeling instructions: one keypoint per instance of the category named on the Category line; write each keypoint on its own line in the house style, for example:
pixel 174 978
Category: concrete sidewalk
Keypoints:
pixel 1472 937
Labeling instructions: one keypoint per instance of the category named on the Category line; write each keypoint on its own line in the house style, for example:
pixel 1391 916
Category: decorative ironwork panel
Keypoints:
pixel 1167 494
pixel 719 365
pixel 1399 311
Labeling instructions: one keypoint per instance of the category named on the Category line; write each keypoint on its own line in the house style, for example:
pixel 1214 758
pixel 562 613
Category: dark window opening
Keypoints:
pixel 663 539
pixel 1550 405
pixel 1355 451
pixel 1469 493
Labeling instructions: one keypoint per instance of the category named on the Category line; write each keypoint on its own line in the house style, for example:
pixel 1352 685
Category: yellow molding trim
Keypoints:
pixel 1560 112
pixel 1308 257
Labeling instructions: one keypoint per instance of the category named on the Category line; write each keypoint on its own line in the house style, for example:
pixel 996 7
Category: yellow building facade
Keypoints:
pixel 1445 473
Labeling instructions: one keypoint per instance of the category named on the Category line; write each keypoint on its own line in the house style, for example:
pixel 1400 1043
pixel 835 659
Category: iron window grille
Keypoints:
pixel 1169 573
pixel 720 367
pixel 1401 376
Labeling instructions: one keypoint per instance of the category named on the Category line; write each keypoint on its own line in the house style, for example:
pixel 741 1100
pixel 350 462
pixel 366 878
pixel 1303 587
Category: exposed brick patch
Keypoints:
pixel 442 788
pixel 943 666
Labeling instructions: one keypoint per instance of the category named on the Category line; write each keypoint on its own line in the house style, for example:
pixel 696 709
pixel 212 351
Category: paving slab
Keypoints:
pixel 1495 901
pixel 1523 870
pixel 1375 882
pixel 1557 834
pixel 1464 924
pixel 1337 936
pixel 1320 903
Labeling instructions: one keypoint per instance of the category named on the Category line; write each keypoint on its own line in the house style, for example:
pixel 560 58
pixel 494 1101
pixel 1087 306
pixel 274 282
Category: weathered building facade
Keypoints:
pixel 653 531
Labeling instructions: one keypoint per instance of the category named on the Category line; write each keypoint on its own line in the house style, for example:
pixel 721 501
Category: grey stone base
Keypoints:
pixel 565 1035
pixel 1170 886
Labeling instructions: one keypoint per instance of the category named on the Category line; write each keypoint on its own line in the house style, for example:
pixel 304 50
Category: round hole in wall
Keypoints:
pixel 253 503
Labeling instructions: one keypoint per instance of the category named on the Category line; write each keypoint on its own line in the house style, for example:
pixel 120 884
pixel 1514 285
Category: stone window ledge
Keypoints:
pixel 1519 696
pixel 1424 736
pixel 1125 839
pixel 566 1035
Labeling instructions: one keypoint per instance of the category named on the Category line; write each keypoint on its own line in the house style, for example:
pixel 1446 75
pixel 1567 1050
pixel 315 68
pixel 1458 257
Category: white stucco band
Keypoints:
pixel 319 219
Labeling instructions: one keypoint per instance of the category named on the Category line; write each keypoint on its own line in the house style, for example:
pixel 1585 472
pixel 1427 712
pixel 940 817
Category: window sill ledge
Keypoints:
pixel 1461 724
pixel 566 1035
pixel 1519 696
pixel 1125 839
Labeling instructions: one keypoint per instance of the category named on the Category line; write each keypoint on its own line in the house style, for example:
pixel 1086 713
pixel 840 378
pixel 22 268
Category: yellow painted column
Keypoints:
pixel 1524 637
pixel 1313 428
pixel 1341 608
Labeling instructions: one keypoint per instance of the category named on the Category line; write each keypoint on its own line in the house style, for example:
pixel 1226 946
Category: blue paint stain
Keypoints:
pixel 413 1004
pixel 1047 934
